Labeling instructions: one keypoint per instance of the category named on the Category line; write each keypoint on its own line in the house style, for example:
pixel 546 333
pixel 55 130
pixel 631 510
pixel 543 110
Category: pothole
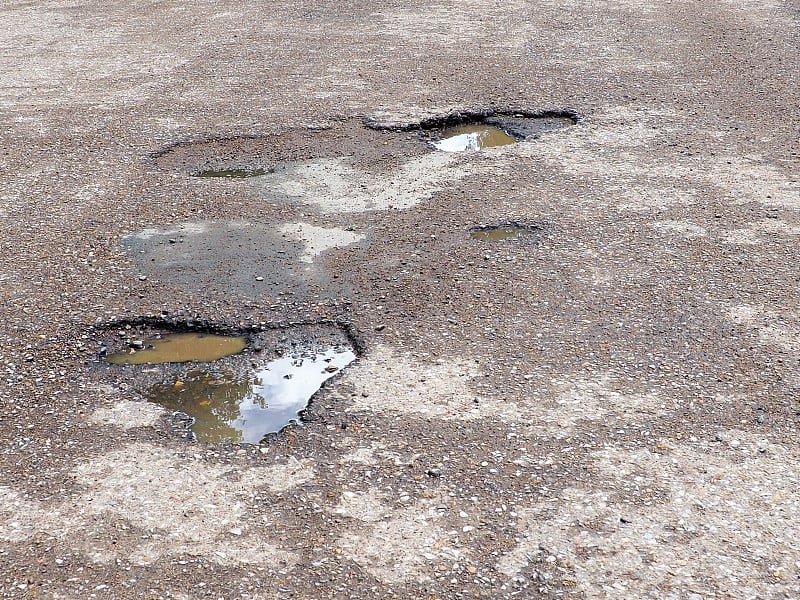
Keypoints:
pixel 258 155
pixel 234 388
pixel 225 407
pixel 461 131
pixel 498 233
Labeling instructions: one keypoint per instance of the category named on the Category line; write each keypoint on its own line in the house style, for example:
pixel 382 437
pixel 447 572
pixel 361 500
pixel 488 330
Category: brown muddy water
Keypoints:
pixel 245 408
pixel 498 233
pixel 179 347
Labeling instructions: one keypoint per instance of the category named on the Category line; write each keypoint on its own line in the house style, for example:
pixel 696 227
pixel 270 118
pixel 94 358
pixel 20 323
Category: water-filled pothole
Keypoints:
pixel 244 408
pixel 234 388
pixel 178 348
pixel 498 233
pixel 461 138
pixel 231 173
pixel 464 130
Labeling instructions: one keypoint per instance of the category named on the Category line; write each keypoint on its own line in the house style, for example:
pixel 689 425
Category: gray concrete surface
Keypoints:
pixel 608 409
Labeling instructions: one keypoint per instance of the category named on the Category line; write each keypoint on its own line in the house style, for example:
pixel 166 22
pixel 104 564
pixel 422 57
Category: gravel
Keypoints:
pixel 607 409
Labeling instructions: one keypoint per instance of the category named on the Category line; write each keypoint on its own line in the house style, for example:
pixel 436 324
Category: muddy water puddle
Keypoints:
pixel 244 408
pixel 465 138
pixel 234 388
pixel 498 233
pixel 470 132
pixel 178 348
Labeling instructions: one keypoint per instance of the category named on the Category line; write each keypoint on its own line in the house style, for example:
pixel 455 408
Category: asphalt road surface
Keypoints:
pixel 604 407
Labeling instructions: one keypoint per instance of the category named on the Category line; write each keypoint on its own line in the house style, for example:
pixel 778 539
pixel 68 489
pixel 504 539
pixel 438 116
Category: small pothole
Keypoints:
pixel 228 388
pixel 507 231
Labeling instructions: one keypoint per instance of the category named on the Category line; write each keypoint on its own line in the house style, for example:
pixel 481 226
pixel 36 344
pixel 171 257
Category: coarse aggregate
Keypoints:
pixel 605 409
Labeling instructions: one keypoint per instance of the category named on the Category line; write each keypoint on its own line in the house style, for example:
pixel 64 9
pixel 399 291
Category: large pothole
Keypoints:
pixel 253 156
pixel 228 386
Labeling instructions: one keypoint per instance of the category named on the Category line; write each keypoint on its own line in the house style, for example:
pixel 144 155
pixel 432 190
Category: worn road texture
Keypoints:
pixel 607 408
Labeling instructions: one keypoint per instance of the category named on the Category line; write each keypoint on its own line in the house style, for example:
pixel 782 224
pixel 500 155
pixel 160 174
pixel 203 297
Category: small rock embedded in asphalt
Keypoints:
pixel 380 327
pixel 259 278
pixel 142 277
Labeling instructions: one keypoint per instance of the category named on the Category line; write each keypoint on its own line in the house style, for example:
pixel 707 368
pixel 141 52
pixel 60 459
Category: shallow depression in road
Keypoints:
pixel 245 408
pixel 179 347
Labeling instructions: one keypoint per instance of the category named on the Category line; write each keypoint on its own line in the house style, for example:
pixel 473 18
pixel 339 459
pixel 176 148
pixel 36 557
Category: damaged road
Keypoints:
pixel 600 401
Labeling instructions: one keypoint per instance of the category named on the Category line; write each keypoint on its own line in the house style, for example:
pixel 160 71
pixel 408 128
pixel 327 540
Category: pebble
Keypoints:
pixel 259 278
pixel 142 277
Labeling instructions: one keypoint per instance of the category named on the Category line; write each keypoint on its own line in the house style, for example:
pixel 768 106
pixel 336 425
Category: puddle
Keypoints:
pixel 464 138
pixel 474 130
pixel 231 173
pixel 498 233
pixel 245 408
pixel 179 347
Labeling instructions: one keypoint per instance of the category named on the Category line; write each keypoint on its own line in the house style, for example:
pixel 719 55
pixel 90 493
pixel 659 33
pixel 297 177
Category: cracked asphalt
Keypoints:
pixel 605 409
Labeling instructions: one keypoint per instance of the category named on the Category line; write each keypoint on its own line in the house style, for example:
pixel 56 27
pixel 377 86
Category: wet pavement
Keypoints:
pixel 604 409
